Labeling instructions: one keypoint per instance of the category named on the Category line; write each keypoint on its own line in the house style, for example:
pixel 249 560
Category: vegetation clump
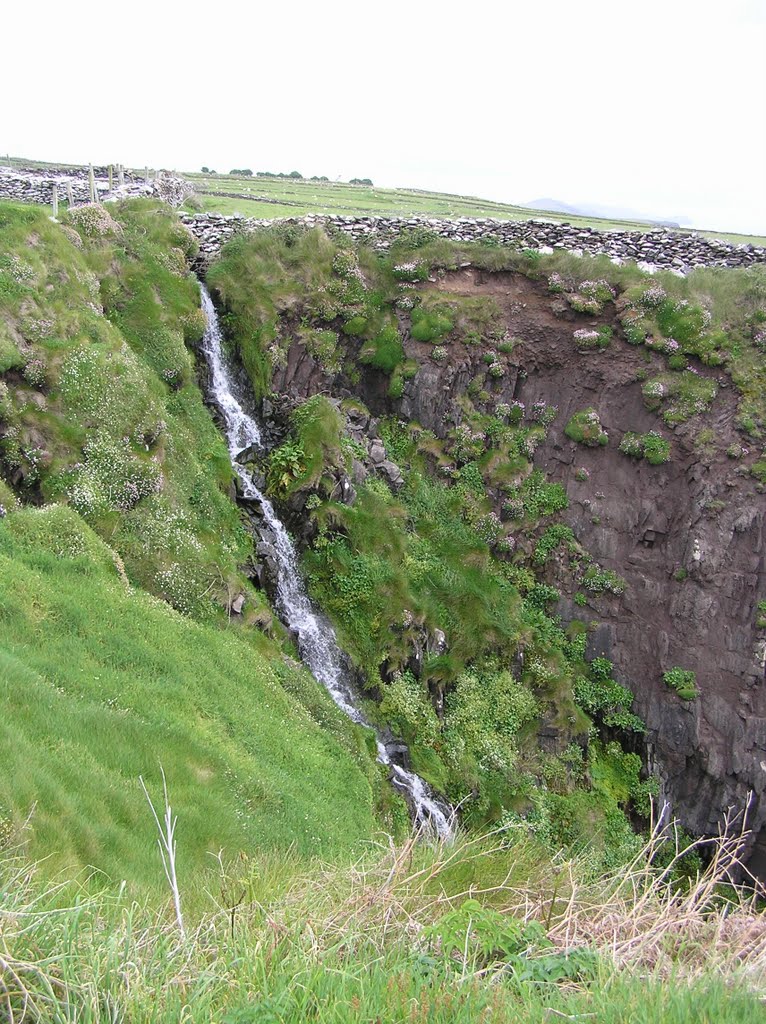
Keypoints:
pixel 535 498
pixel 593 338
pixel 585 428
pixel 683 681
pixel 651 446
pixel 760 620
pixel 679 396
pixel 469 319
pixel 600 581
pixel 605 700
pixel 589 296
pixel 305 459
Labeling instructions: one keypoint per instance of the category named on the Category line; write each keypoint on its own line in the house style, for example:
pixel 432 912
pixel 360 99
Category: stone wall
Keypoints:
pixel 29 185
pixel 660 248
pixel 657 249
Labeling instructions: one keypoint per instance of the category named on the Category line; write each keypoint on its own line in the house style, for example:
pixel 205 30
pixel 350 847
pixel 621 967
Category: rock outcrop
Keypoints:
pixel 687 536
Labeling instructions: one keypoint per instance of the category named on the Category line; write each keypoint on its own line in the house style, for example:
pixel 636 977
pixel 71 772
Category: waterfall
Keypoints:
pixel 317 643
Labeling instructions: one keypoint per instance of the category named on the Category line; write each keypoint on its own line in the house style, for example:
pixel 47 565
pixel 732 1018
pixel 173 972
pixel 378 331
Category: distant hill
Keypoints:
pixel 553 206
pixel 599 210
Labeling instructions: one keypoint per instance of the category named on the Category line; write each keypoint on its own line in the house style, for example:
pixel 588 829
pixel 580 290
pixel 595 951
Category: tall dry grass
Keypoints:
pixel 367 936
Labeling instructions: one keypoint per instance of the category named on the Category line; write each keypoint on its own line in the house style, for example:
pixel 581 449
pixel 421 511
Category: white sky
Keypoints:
pixel 657 105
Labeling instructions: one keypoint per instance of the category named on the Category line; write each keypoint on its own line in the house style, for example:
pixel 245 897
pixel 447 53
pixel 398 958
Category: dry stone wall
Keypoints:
pixel 28 185
pixel 662 249
pixel 659 249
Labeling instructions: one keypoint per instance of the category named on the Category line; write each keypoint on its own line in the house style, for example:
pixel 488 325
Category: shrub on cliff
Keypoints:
pixel 589 297
pixel 683 681
pixel 384 351
pixel 93 220
pixel 585 428
pixel 651 446
pixel 313 449
pixel 679 396
pixel 593 338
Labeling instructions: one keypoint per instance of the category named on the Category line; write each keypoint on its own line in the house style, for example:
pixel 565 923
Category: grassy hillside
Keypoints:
pixel 101 682
pixel 293 197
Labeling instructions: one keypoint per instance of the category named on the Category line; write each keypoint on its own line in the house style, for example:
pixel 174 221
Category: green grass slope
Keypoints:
pixel 101 684
pixel 114 511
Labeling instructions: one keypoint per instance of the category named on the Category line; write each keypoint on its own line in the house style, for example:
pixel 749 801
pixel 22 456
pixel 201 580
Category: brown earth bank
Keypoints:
pixel 687 536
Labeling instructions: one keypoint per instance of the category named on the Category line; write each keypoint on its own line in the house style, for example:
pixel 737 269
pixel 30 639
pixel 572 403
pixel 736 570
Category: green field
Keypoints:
pixel 288 197
pixel 267 198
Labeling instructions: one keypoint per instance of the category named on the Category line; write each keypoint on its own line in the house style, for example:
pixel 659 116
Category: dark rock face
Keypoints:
pixel 429 398
pixel 687 536
pixel 652 522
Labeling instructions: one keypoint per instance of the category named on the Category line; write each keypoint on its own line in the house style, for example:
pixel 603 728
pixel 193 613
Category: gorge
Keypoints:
pixel 316 640
pixel 685 536
pixel 336 539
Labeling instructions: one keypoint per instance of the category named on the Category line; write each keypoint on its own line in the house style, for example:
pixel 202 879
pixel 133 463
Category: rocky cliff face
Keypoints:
pixel 687 536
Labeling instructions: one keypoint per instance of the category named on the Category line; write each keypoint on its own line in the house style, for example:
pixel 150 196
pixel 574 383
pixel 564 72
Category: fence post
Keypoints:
pixel 55 200
pixel 70 194
pixel 91 183
pixel 111 180
pixel 120 175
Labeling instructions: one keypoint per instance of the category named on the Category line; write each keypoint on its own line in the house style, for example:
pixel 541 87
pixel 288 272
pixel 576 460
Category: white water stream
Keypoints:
pixel 316 639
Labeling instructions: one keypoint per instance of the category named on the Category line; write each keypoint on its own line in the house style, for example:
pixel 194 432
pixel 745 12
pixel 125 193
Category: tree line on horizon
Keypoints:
pixel 246 172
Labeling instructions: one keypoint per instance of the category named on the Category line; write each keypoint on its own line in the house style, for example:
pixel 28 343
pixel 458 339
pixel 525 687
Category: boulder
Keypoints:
pixel 377 452
pixel 392 473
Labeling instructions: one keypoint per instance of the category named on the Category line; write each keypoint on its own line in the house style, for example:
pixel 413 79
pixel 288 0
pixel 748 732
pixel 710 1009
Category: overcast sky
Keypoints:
pixel 657 106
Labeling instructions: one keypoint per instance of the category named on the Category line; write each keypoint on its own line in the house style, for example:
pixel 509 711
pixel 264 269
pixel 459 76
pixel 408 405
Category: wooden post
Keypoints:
pixel 91 183
pixel 120 175
pixel 55 200
pixel 69 194
pixel 111 179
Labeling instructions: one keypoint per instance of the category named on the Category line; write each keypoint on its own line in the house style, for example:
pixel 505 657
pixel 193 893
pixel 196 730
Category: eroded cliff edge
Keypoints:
pixel 687 536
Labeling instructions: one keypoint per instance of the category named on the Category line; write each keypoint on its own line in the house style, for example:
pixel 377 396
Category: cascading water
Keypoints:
pixel 316 639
